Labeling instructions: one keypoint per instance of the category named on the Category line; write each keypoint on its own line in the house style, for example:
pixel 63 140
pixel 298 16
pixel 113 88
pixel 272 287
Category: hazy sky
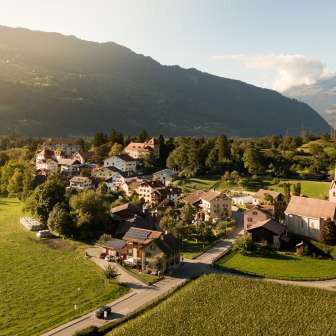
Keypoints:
pixel 269 43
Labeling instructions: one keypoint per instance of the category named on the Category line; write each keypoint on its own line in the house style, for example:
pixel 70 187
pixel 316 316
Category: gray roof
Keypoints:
pixel 270 225
pixel 114 244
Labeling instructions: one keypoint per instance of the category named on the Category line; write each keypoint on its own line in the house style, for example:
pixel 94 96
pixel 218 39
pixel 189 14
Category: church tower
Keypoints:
pixel 332 190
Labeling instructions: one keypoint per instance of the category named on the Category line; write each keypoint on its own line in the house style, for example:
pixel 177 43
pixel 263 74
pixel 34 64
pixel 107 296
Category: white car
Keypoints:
pixel 44 234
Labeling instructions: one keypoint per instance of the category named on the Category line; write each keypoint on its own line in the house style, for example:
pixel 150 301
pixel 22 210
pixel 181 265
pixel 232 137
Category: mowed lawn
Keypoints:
pixel 281 266
pixel 217 305
pixel 315 189
pixel 39 281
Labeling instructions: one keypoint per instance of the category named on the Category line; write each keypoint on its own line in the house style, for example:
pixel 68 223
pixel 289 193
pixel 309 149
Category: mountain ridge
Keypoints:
pixel 52 84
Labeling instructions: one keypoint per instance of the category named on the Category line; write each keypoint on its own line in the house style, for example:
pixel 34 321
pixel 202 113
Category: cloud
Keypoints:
pixel 291 70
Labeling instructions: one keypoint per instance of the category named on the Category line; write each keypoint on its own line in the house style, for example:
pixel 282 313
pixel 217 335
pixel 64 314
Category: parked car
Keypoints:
pixel 44 234
pixel 103 311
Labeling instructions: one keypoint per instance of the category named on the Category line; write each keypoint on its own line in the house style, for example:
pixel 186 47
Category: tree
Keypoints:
pixel 253 160
pixel 60 221
pixel 91 213
pixel 243 244
pixel 27 183
pixel 204 231
pixel 187 213
pixel 168 221
pixel 15 182
pixel 99 139
pixel 46 196
pixel 143 136
pixel 287 193
pixel 116 149
pixel 297 189
pixel 328 232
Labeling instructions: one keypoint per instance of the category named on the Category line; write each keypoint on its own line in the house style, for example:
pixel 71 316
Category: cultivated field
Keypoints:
pixel 39 280
pixel 281 266
pixel 217 305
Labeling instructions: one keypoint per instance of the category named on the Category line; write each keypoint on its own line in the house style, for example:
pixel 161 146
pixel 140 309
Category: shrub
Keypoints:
pixel 110 272
pixel 244 244
pixel 89 331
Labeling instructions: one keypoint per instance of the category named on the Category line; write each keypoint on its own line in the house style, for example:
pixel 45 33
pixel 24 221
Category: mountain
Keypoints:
pixel 51 84
pixel 321 95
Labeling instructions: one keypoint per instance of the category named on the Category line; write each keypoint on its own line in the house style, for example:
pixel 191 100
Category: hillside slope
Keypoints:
pixel 52 84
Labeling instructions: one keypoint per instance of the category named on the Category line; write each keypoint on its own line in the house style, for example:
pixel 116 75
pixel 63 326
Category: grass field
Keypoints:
pixel 217 305
pixel 40 279
pixel 281 266
pixel 316 189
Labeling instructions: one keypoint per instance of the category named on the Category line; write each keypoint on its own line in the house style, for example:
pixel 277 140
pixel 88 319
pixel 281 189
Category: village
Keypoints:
pixel 140 236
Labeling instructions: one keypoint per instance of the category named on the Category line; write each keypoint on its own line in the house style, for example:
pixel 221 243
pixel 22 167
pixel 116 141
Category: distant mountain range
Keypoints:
pixel 321 96
pixel 52 84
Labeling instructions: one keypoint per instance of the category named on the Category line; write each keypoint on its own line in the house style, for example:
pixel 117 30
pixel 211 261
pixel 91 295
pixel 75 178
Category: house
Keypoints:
pixel 332 189
pixel 154 192
pixel 67 145
pixel 130 187
pixel 82 157
pixel 151 250
pixel 70 170
pixel 138 150
pixel 103 173
pixel 122 162
pixel 46 161
pixel 115 247
pixel 210 204
pixel 166 176
pixel 268 230
pixel 256 214
pixel 260 197
pixel 242 200
pixel 304 216
pixel 125 211
pixel 81 183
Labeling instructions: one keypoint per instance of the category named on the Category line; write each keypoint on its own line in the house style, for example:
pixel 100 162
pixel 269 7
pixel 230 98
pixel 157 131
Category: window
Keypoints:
pixel 254 213
pixel 249 219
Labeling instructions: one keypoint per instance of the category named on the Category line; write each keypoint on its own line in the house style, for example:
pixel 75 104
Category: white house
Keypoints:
pixel 166 176
pixel 304 215
pixel 81 183
pixel 123 162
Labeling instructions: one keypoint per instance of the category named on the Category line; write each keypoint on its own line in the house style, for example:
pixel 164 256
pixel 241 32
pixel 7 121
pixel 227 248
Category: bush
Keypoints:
pixel 89 331
pixel 110 272
pixel 244 244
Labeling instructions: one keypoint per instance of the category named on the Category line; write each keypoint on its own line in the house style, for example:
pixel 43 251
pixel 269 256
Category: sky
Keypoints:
pixel 273 44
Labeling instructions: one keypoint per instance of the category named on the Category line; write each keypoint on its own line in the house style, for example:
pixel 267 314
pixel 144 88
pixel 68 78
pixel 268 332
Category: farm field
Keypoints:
pixel 40 280
pixel 219 305
pixel 316 189
pixel 281 266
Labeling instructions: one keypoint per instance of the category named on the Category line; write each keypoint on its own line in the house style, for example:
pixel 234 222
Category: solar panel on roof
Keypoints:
pixel 137 234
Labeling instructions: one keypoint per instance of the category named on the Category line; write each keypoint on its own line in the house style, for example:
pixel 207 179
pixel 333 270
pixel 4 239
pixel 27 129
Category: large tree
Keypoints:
pixel 60 221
